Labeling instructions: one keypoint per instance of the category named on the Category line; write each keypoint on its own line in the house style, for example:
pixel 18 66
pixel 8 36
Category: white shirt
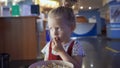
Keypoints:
pixel 77 48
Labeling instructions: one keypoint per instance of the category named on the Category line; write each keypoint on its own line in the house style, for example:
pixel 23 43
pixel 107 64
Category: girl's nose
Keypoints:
pixel 55 32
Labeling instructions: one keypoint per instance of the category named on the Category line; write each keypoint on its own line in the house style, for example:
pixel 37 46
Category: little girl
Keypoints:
pixel 61 23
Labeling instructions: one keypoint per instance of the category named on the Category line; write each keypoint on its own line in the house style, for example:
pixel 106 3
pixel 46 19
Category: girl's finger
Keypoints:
pixel 57 39
pixel 54 42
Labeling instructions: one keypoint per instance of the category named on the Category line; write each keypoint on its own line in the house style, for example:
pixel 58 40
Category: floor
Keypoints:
pixel 100 53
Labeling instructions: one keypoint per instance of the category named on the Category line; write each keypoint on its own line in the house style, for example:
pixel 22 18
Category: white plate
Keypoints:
pixel 39 64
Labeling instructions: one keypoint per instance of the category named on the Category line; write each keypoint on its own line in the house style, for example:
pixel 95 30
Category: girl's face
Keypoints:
pixel 59 29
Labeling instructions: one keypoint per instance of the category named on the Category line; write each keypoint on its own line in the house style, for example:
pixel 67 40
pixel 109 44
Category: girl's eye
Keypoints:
pixel 57 28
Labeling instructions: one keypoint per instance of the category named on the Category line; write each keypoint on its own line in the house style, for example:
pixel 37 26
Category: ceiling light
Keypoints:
pixel 89 7
pixel 49 3
pixel 2 0
pixel 81 7
pixel 73 7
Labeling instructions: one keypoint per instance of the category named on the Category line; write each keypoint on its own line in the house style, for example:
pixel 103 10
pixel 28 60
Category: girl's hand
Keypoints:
pixel 56 45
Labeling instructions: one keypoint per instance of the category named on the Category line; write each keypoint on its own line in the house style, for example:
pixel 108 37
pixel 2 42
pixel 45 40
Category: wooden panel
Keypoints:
pixel 1 36
pixel 29 38
pixel 13 37
pixel 20 40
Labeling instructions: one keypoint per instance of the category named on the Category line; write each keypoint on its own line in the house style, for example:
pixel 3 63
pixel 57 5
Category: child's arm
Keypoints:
pixel 76 60
pixel 45 58
pixel 57 46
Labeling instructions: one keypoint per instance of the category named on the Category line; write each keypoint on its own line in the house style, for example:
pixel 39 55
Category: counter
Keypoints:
pixel 18 37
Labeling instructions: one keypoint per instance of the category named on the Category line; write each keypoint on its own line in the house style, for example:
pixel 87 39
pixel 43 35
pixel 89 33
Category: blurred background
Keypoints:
pixel 24 31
